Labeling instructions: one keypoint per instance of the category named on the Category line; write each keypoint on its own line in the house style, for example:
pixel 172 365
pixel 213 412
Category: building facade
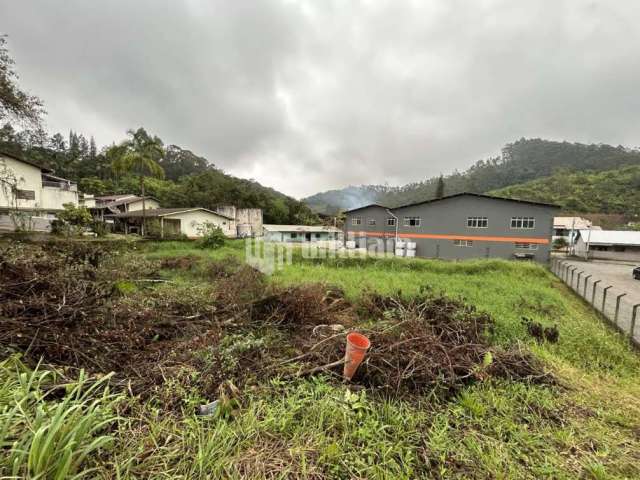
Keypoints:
pixel 621 245
pixel 33 193
pixel 169 222
pixel 300 233
pixel 456 227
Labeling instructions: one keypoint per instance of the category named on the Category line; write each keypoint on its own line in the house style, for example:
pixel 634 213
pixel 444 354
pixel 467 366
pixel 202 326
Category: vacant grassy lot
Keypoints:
pixel 586 425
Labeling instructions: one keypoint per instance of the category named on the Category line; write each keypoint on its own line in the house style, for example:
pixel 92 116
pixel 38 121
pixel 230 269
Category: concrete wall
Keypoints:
pixel 54 198
pixel 443 222
pixel 149 204
pixel 190 222
pixel 248 220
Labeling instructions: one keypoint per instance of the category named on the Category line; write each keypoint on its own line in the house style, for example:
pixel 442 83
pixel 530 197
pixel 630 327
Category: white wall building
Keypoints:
pixel 608 245
pixel 32 193
pixel 173 221
pixel 563 226
pixel 300 233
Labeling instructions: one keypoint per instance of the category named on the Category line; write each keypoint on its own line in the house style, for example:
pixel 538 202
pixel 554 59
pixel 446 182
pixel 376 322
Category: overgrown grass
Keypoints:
pixel 47 435
pixel 587 427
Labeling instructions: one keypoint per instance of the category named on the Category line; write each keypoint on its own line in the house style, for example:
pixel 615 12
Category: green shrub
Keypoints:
pixel 212 236
pixel 72 220
pixel 559 243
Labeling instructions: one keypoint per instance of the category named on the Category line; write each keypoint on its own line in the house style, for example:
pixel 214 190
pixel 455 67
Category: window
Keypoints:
pixel 463 243
pixel 411 221
pixel 294 235
pixel 523 222
pixel 526 246
pixel 477 222
pixel 371 221
pixel 25 194
pixel 391 222
pixel 356 221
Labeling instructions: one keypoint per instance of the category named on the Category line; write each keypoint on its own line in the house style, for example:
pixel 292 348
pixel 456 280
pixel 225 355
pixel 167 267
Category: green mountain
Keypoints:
pixel 519 162
pixel 611 191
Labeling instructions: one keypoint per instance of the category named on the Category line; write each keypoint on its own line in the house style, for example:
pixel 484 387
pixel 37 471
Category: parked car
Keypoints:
pixel 636 273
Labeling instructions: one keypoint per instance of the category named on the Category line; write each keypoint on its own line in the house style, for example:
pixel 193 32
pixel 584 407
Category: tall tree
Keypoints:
pixel 440 187
pixel 139 155
pixel 15 104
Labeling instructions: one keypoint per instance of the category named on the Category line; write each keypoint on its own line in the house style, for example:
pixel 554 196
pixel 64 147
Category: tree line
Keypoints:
pixel 183 179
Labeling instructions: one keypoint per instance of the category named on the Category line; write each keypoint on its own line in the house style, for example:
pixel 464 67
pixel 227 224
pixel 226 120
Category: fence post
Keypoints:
pixel 578 284
pixel 573 271
pixel 633 320
pixel 604 296
pixel 615 319
pixel 585 285
pixel 593 294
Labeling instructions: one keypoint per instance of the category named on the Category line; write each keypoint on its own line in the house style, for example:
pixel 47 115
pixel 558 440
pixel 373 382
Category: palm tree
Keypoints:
pixel 139 156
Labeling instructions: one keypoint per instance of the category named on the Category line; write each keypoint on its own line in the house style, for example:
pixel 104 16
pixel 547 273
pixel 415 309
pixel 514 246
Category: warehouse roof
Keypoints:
pixel 300 228
pixel 480 195
pixel 610 237
pixel 165 212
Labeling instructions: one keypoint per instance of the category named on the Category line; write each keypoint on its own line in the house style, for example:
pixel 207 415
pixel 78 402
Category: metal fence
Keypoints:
pixel 612 302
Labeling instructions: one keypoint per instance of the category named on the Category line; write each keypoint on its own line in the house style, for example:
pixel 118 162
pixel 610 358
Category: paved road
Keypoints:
pixel 616 275
pixel 611 273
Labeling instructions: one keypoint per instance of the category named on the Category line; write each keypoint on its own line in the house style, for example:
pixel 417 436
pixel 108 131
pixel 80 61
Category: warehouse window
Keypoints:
pixel 477 222
pixel 411 221
pixel 391 222
pixel 527 246
pixel 372 221
pixel 463 243
pixel 356 221
pixel 523 222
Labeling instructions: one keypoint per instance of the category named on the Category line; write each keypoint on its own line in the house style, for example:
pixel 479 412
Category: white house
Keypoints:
pixel 300 233
pixel 172 221
pixel 608 245
pixel 563 226
pixel 32 193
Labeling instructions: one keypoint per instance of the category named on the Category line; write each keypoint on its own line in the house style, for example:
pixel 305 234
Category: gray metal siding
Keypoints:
pixel 448 218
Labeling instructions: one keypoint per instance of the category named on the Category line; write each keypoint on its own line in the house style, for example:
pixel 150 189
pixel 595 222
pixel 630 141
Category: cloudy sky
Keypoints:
pixel 305 96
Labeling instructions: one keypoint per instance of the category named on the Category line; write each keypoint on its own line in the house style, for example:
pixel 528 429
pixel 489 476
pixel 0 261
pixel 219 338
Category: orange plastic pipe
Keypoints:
pixel 357 346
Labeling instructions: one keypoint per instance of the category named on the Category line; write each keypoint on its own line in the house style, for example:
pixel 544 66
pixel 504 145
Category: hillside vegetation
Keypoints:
pixel 189 179
pixel 611 191
pixel 211 328
pixel 519 162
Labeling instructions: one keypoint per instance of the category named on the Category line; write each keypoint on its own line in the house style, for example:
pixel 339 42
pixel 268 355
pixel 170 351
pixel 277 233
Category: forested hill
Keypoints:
pixel 189 180
pixel 611 191
pixel 519 162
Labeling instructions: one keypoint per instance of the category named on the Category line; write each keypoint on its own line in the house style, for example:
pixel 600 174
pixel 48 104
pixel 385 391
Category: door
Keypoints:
pixel 308 237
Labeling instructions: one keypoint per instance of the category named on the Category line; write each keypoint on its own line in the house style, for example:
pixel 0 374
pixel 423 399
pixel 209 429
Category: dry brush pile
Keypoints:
pixel 65 304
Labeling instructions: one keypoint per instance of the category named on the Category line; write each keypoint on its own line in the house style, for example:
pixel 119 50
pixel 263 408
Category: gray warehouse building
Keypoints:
pixel 457 227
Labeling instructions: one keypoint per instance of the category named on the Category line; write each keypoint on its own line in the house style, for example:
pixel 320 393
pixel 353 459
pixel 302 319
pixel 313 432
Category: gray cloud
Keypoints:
pixel 307 95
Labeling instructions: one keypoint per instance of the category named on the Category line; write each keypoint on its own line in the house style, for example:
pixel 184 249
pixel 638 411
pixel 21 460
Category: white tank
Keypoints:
pixel 401 244
pixel 350 244
pixel 411 253
pixel 411 245
pixel 399 252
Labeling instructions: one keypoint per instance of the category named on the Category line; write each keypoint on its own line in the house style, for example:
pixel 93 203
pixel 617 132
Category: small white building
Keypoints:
pixel 608 245
pixel 563 226
pixel 187 221
pixel 300 233
pixel 32 193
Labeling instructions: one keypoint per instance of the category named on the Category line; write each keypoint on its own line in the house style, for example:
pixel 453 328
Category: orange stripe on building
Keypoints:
pixel 479 238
